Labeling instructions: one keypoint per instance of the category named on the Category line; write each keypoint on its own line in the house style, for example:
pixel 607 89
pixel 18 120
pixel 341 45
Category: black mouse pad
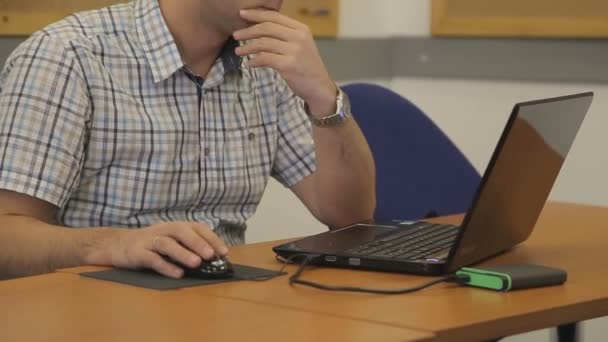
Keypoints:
pixel 155 281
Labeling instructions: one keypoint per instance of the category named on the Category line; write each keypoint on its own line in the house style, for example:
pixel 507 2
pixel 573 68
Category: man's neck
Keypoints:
pixel 199 43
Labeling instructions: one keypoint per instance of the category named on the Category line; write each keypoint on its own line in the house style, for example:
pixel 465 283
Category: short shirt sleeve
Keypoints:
pixel 295 157
pixel 43 111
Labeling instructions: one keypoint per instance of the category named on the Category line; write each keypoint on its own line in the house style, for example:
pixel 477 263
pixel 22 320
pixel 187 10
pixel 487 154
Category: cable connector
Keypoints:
pixel 461 279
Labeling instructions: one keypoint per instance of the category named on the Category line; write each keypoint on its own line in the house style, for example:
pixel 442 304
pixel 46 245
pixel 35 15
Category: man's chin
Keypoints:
pixel 241 24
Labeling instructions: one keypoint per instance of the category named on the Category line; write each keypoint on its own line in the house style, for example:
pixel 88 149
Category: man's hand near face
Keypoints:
pixel 288 46
pixel 341 190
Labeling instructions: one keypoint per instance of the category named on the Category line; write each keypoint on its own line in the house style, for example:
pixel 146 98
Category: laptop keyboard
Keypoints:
pixel 421 240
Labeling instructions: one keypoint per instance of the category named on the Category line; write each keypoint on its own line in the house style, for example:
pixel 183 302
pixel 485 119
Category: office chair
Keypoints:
pixel 420 173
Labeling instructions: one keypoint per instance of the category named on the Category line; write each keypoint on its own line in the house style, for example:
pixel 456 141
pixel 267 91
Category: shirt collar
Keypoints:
pixel 160 48
pixel 157 42
pixel 230 60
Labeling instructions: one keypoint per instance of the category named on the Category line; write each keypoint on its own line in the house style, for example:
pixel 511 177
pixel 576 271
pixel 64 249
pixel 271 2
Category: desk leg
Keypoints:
pixel 567 332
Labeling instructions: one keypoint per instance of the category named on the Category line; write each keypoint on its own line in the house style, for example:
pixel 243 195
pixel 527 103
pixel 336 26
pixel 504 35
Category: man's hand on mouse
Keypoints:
pixel 286 45
pixel 185 242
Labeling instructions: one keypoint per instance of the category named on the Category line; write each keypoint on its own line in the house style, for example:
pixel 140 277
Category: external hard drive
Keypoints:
pixel 512 277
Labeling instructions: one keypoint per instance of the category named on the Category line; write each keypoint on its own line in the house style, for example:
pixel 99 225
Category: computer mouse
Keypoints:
pixel 217 268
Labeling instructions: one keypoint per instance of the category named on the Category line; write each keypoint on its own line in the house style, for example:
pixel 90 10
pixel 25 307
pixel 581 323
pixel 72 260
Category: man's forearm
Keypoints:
pixel 29 246
pixel 345 177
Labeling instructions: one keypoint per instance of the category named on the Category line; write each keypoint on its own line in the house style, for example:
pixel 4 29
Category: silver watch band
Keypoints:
pixel 342 112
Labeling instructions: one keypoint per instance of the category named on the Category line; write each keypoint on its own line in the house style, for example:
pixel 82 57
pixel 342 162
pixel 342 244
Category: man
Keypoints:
pixel 168 116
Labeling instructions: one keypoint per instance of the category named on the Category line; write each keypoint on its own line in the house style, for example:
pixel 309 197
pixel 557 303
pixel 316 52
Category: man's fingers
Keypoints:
pixel 264 45
pixel 166 245
pixel 260 16
pixel 266 29
pixel 270 60
pixel 154 261
pixel 195 238
pixel 190 239
pixel 216 243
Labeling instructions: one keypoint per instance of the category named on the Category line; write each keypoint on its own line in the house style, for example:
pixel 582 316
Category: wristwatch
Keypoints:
pixel 342 112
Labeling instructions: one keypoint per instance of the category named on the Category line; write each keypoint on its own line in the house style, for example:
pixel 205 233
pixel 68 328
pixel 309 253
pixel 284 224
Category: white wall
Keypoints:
pixel 473 113
pixel 382 18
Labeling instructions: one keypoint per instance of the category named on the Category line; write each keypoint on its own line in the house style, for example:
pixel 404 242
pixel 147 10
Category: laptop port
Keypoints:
pixel 354 261
pixel 331 258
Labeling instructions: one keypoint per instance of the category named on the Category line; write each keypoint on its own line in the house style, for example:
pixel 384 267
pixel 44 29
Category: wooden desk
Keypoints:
pixel 569 236
pixel 66 307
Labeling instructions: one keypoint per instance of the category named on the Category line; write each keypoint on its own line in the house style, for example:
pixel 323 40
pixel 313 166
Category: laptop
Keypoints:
pixel 506 206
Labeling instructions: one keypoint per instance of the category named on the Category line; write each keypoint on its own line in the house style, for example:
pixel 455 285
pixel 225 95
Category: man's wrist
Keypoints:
pixel 339 115
pixel 97 245
pixel 325 104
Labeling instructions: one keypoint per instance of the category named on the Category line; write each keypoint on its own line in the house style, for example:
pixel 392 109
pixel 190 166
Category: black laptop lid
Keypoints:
pixel 519 177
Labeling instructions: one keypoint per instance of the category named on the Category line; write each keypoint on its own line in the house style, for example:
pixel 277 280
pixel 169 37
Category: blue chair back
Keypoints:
pixel 420 172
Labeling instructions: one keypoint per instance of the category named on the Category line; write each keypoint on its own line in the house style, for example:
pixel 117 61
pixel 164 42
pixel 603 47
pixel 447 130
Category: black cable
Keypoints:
pixel 280 272
pixel 295 279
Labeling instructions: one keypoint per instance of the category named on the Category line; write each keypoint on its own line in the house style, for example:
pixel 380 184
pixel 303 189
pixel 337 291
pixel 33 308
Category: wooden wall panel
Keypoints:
pixel 320 15
pixel 521 18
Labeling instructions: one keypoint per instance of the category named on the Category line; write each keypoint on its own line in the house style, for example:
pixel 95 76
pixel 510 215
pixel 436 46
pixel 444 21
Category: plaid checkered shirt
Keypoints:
pixel 100 117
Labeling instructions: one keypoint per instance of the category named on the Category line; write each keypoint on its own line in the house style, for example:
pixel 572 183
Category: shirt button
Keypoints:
pixel 206 151
pixel 251 136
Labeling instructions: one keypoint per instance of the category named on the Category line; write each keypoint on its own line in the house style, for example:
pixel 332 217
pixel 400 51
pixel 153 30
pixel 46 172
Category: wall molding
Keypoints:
pixel 463 58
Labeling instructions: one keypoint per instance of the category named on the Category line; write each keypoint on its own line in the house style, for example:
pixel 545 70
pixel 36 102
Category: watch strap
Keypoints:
pixel 342 113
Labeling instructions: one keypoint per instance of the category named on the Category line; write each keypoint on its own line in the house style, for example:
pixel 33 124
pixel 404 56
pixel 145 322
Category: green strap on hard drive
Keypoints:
pixel 486 279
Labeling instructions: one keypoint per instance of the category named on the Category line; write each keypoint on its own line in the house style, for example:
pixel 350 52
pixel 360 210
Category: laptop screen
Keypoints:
pixel 520 176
